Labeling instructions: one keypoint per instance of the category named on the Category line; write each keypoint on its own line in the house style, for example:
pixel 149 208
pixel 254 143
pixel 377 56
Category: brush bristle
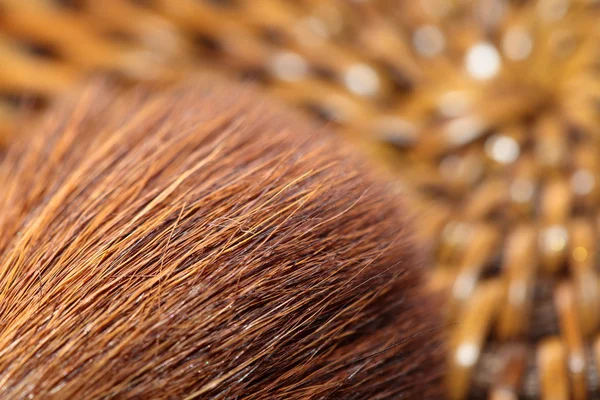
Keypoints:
pixel 200 242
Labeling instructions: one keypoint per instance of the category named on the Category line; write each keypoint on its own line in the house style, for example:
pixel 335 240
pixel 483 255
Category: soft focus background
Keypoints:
pixel 485 112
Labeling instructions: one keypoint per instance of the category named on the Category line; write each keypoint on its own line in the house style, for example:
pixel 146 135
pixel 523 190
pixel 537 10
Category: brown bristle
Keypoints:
pixel 200 242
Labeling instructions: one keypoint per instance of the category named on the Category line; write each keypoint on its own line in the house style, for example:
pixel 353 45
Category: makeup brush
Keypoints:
pixel 201 241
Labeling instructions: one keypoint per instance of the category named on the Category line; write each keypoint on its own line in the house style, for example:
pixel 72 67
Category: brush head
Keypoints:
pixel 201 242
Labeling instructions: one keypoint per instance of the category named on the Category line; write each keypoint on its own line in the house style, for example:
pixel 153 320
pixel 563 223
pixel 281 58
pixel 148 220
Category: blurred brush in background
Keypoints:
pixel 486 111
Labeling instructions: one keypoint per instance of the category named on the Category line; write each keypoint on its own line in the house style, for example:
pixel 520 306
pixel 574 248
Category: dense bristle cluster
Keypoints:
pixel 202 243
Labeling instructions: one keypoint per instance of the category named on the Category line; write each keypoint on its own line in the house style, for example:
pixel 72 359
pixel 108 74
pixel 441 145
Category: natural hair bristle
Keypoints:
pixel 200 242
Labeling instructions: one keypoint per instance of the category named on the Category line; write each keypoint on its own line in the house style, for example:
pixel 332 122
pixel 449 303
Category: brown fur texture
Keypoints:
pixel 200 242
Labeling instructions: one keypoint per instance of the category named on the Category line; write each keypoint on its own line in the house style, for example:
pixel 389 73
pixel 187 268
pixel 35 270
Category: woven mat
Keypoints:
pixel 487 111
